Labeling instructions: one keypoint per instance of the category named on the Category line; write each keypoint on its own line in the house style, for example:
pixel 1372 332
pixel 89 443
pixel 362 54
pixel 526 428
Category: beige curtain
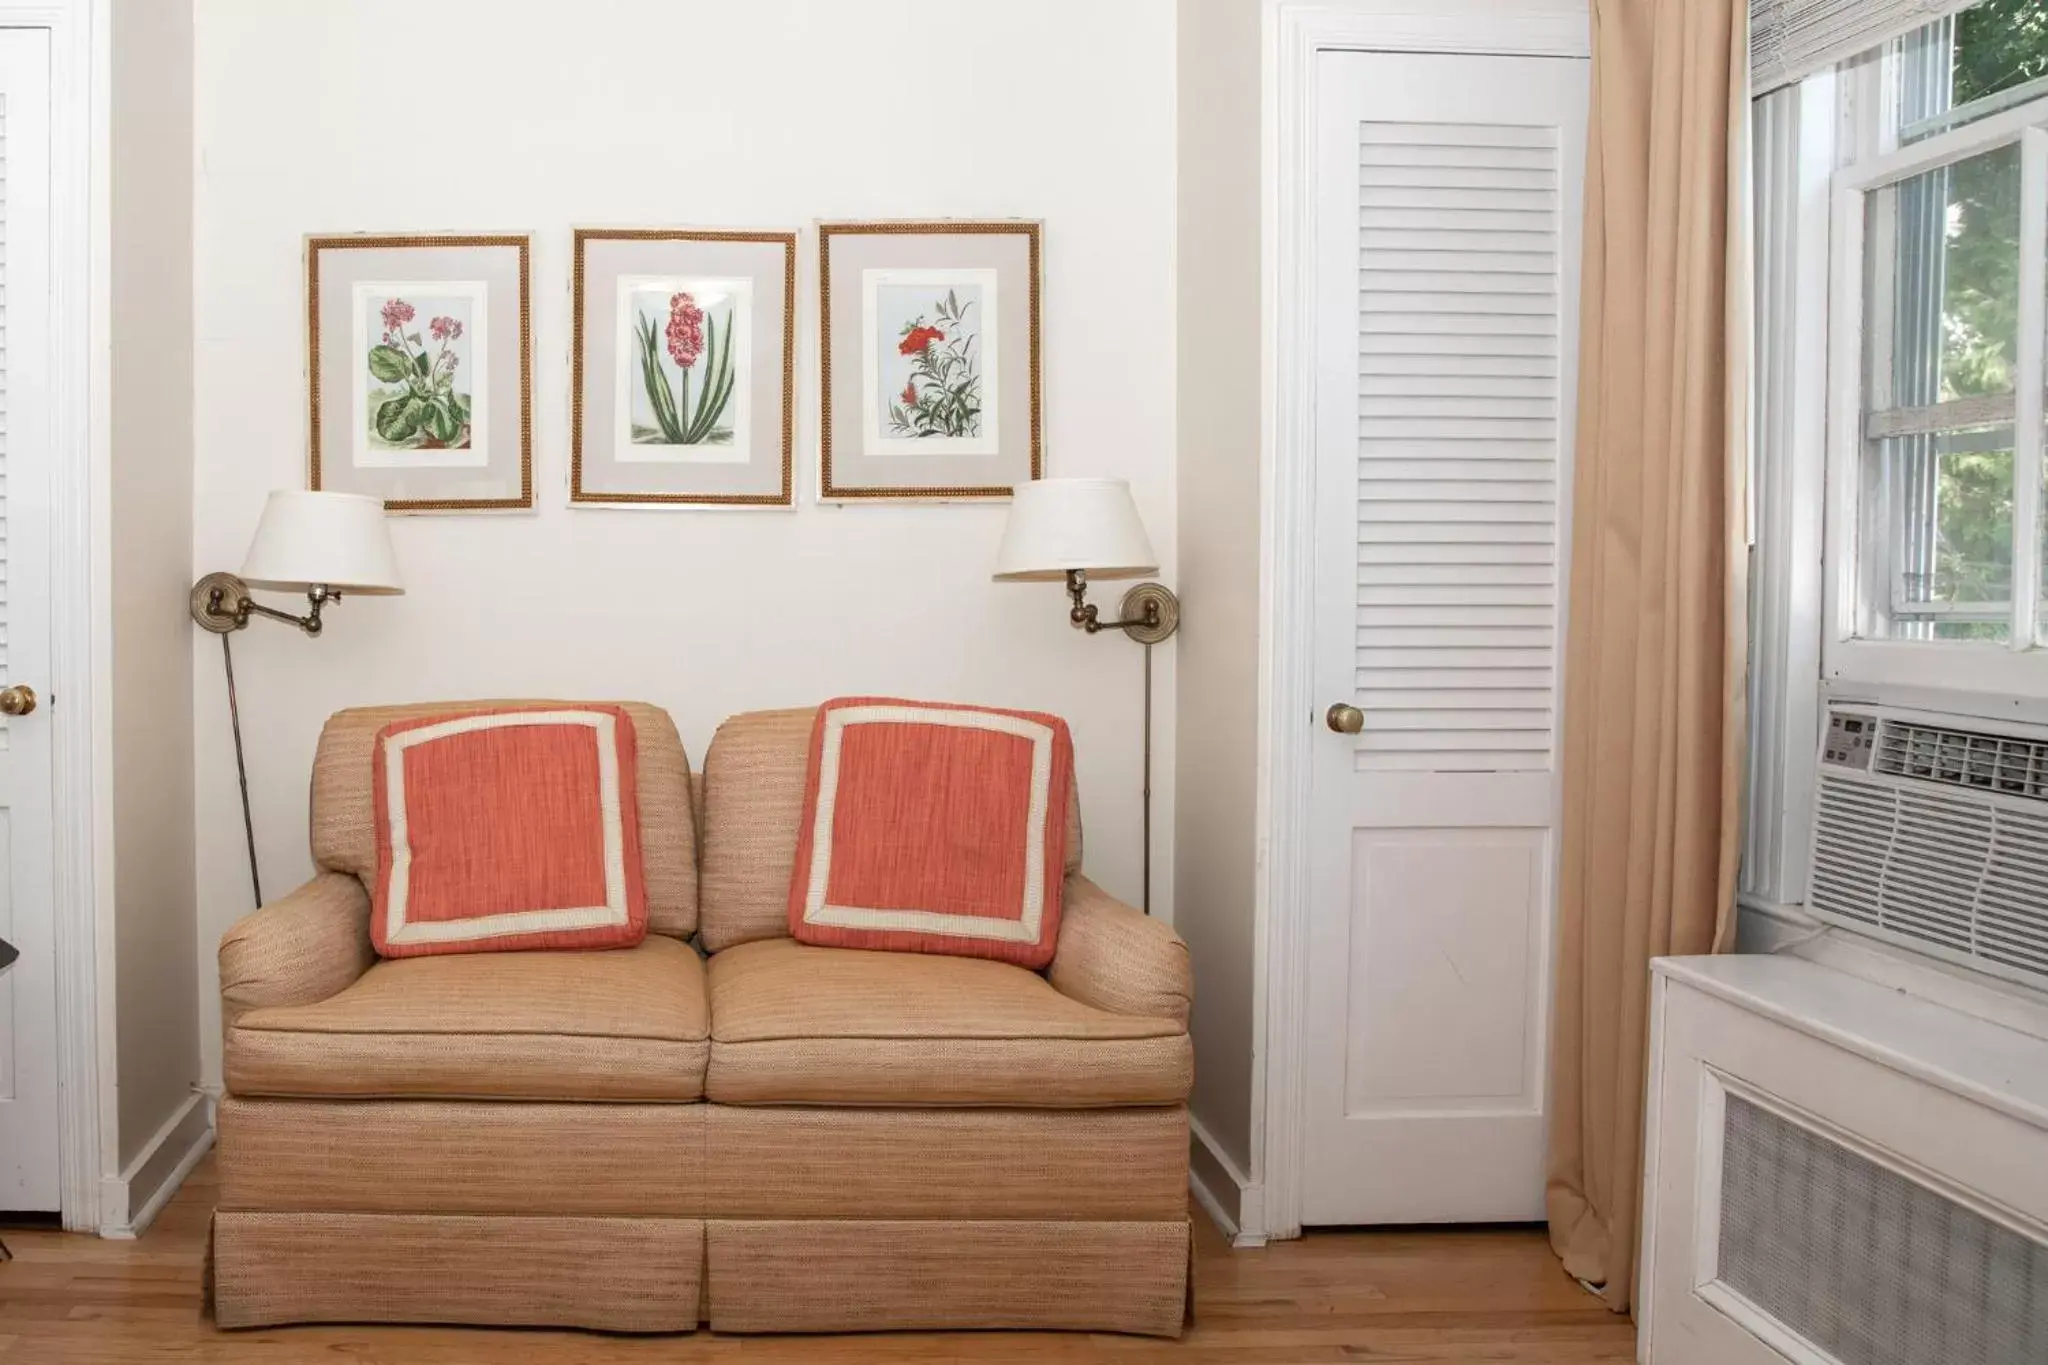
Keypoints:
pixel 1653 720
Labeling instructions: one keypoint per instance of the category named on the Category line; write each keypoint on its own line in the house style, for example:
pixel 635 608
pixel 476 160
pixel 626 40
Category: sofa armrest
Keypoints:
pixel 1117 958
pixel 298 949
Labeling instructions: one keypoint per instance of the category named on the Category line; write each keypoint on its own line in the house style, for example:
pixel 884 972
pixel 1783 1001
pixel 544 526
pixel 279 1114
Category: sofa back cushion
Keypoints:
pixel 505 829
pixel 754 774
pixel 343 812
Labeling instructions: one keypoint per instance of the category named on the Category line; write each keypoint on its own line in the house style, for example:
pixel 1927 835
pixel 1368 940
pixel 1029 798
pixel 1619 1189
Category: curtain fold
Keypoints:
pixel 1654 666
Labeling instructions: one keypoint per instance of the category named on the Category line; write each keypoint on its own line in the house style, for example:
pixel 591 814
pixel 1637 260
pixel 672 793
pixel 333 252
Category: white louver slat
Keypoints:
pixel 1458 408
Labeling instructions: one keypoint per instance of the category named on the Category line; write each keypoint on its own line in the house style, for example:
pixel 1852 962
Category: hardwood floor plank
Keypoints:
pixel 1450 1297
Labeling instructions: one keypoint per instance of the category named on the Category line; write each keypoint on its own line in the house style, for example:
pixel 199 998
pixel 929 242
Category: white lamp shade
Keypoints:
pixel 1057 525
pixel 334 540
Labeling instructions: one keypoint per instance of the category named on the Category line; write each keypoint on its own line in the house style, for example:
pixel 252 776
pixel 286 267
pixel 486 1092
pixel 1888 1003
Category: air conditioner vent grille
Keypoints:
pixel 1977 760
pixel 1948 870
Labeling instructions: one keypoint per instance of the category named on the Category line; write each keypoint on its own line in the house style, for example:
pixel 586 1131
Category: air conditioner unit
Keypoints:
pixel 1931 830
pixel 1838 1172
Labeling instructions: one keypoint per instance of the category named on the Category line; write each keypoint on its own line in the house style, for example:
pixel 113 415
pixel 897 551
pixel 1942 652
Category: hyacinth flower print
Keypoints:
pixel 420 391
pixel 688 350
pixel 941 395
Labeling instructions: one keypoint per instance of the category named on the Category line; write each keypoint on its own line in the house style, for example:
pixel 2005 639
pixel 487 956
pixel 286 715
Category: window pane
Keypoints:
pixel 1999 45
pixel 1938 513
pixel 1960 69
pixel 1943 253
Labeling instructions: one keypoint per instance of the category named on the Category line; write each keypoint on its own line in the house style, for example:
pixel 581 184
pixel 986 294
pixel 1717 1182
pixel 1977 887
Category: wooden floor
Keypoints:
pixel 1385 1297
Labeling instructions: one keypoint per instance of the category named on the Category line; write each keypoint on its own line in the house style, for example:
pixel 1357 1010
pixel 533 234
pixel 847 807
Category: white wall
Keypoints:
pixel 1219 396
pixel 513 114
pixel 150 451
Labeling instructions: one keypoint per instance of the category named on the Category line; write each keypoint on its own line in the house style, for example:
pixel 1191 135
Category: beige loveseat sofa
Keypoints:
pixel 760 1135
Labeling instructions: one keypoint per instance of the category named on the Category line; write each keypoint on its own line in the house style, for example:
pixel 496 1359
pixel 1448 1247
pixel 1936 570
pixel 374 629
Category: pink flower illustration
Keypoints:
pixel 397 312
pixel 445 329
pixel 910 394
pixel 685 330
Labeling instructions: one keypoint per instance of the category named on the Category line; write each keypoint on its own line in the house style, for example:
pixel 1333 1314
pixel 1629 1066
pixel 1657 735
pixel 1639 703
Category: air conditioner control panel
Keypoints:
pixel 1851 738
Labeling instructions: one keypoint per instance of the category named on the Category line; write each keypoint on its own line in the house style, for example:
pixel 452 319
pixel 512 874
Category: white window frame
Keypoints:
pixel 2018 666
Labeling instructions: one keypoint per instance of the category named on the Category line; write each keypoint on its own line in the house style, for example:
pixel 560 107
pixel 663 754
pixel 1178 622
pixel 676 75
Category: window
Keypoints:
pixel 1941 316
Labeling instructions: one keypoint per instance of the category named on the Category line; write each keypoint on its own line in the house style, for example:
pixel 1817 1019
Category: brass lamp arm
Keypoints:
pixel 221 603
pixel 310 623
pixel 1151 612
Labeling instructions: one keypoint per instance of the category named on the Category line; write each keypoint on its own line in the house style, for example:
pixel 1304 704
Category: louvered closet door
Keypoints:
pixel 1447 204
pixel 28 1010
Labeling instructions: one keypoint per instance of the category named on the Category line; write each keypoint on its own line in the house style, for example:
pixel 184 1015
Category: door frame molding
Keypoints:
pixel 1296 33
pixel 80 593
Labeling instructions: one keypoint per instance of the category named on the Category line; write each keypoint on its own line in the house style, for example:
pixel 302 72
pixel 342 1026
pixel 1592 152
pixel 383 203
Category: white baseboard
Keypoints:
pixel 130 1201
pixel 1218 1215
pixel 1246 1226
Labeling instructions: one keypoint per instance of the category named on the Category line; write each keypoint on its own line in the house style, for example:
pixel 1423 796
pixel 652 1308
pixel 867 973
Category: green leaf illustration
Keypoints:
pixel 389 363
pixel 399 419
pixel 717 382
pixel 652 378
pixel 441 422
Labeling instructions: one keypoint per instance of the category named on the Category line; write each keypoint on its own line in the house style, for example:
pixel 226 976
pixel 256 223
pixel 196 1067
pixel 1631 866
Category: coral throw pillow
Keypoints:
pixel 509 828
pixel 933 828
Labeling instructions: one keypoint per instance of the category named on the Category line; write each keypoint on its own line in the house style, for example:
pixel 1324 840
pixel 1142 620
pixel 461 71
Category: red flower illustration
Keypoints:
pixel 685 330
pixel 445 329
pixel 397 312
pixel 910 394
pixel 917 338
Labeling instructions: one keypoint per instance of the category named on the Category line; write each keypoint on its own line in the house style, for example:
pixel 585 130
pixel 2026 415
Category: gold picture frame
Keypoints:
pixel 968 425
pixel 438 453
pixel 618 459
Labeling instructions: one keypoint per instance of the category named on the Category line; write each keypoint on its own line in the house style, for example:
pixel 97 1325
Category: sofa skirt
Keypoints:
pixel 654 1218
pixel 500 1270
pixel 804 1275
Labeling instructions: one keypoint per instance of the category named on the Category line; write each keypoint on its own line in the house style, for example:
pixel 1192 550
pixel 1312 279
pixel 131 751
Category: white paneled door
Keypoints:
pixel 28 1007
pixel 1447 209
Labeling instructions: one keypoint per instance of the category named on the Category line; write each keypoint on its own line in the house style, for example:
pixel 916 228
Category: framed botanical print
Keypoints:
pixel 684 360
pixel 929 346
pixel 419 355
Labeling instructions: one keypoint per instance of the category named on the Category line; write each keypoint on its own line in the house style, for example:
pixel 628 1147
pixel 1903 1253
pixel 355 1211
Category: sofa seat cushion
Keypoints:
pixel 794 1024
pixel 625 1024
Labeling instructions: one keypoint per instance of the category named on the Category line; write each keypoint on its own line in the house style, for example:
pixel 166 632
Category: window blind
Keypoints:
pixel 1792 39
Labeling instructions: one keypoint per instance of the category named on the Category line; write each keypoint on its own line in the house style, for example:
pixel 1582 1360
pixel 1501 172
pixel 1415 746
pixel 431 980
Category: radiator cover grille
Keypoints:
pixel 1869 1266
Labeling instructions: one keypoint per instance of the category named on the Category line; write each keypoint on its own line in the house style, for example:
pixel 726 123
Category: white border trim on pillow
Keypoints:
pixel 1025 928
pixel 613 913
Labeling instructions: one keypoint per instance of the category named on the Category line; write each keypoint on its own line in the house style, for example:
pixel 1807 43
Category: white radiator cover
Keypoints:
pixel 1836 1172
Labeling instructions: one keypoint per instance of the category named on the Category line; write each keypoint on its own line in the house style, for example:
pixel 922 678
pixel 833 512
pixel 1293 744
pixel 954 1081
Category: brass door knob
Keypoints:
pixel 1344 718
pixel 17 700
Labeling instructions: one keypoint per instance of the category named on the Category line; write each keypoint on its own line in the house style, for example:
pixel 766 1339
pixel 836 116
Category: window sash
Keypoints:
pixel 1854 428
